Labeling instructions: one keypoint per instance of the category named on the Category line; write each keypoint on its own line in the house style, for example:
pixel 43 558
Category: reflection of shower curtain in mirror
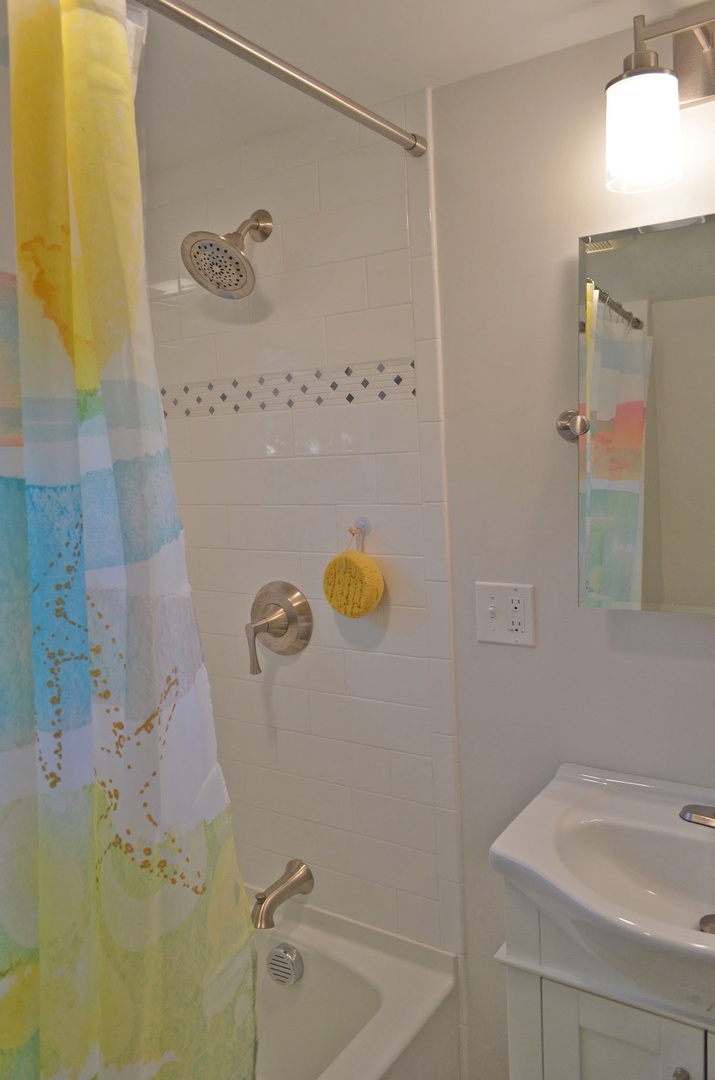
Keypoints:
pixel 125 939
pixel 616 369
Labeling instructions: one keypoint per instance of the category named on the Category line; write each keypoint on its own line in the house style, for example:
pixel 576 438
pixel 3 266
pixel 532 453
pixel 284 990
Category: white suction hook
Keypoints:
pixel 363 526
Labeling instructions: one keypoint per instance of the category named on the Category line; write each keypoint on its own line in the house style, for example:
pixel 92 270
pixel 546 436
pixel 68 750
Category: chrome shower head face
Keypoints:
pixel 219 263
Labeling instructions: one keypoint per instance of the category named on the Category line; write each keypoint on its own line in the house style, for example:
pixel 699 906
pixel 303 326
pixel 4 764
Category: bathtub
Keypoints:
pixel 370 1005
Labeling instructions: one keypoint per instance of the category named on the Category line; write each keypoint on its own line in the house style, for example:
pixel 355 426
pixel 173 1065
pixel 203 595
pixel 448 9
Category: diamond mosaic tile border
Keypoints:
pixel 361 383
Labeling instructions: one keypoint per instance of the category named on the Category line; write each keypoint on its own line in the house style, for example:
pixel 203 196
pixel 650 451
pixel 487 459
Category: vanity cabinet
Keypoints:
pixel 588 1037
pixel 559 1032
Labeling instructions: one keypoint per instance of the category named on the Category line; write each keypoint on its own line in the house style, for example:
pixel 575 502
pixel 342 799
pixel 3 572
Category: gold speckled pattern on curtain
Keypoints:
pixel 126 946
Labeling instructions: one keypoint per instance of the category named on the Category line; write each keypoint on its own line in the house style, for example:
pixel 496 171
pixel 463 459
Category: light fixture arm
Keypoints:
pixel 704 37
pixel 692 18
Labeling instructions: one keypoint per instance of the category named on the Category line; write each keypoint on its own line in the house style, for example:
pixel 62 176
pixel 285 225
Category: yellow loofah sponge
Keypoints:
pixel 353 584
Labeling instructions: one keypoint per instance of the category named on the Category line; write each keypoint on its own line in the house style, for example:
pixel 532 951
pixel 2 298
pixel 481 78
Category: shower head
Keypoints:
pixel 219 263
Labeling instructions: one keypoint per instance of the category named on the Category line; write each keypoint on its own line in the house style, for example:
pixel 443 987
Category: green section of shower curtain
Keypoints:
pixel 126 944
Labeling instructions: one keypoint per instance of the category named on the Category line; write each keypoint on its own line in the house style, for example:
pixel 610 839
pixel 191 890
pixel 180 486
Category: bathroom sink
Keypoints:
pixel 607 856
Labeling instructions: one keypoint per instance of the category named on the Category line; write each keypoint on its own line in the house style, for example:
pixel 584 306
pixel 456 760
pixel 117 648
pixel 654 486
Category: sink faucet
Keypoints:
pixel 700 815
pixel 296 879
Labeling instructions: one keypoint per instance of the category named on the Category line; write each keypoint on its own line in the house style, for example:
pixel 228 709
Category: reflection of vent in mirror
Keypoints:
pixel 592 247
pixel 652 262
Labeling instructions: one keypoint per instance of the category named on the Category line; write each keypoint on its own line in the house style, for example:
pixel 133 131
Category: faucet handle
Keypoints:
pixel 700 815
pixel 274 622
pixel 281 619
pixel 254 666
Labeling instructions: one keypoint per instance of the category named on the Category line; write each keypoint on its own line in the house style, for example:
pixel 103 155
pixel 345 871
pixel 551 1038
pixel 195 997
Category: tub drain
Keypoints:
pixel 707 924
pixel 285 964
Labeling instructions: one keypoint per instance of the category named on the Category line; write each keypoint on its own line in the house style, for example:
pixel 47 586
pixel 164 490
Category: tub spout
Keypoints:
pixel 296 879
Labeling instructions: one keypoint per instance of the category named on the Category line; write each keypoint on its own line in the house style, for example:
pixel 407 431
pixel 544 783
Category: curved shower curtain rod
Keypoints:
pixel 220 35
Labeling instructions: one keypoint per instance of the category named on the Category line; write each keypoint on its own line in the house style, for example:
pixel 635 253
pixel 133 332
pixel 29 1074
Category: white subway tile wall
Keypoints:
pixel 342 755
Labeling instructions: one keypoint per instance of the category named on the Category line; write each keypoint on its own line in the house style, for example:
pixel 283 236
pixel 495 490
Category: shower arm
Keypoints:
pixel 259 225
pixel 220 35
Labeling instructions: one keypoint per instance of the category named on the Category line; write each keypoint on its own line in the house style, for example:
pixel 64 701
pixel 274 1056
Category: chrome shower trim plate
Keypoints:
pixel 277 595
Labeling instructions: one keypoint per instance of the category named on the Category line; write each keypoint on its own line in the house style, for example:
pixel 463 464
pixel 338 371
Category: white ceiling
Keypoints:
pixel 199 99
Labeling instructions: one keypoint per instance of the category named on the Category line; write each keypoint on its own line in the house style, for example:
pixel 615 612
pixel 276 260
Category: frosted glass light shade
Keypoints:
pixel 642 132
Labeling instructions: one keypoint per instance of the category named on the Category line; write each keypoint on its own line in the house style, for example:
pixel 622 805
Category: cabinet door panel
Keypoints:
pixel 591 1038
pixel 524 998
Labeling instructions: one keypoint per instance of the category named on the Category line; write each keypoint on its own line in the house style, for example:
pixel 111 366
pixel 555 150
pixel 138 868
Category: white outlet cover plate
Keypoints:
pixel 497 622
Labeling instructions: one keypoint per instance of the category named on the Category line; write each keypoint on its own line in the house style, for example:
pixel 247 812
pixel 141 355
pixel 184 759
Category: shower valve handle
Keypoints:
pixel 274 623
pixel 281 619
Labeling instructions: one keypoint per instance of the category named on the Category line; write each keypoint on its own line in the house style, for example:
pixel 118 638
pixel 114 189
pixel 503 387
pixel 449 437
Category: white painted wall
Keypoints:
pixel 344 754
pixel 519 177
pixel 683 375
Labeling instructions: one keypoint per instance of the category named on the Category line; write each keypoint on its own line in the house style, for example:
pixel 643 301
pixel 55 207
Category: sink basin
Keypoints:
pixel 608 858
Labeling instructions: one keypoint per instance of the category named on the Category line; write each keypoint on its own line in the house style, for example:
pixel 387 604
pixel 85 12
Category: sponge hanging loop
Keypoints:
pixel 360 525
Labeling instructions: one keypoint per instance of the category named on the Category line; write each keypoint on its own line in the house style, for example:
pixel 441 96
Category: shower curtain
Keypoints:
pixel 615 372
pixel 126 946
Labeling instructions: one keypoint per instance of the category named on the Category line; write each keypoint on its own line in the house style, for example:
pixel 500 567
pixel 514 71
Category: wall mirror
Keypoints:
pixel 646 382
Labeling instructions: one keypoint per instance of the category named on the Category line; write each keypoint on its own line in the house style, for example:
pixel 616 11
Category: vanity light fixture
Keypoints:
pixel 643 104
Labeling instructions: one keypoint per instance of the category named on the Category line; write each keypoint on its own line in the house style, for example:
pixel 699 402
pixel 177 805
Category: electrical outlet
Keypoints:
pixel 515 623
pixel 505 613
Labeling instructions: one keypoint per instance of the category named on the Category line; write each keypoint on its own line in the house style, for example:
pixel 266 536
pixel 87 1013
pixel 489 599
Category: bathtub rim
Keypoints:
pixel 296 912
